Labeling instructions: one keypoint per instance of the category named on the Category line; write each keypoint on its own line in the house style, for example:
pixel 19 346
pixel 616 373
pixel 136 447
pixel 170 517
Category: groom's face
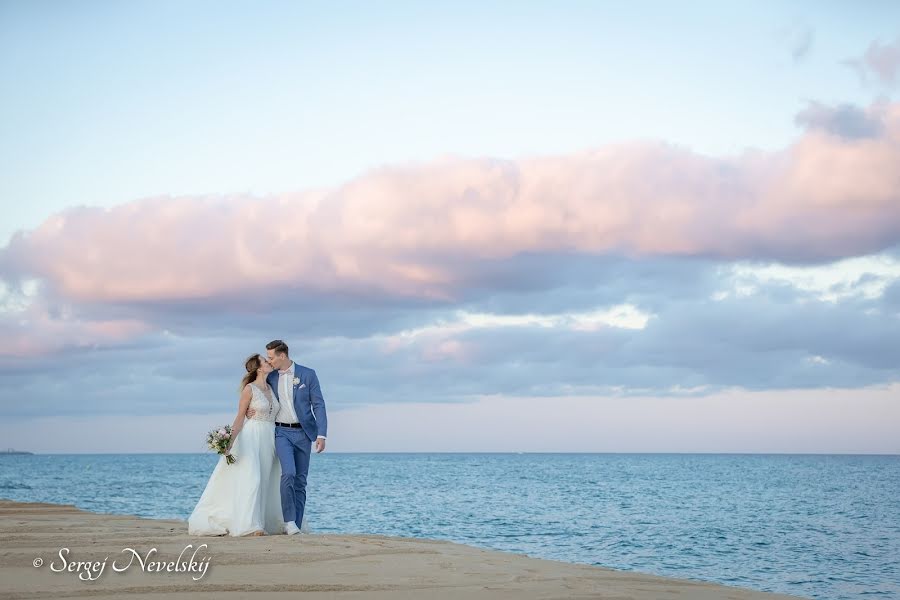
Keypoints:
pixel 278 361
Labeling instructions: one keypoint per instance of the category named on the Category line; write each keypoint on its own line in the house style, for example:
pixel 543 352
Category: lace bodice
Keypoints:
pixel 264 403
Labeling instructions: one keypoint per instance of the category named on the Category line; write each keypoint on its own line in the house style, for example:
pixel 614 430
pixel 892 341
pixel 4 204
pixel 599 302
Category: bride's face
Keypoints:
pixel 265 368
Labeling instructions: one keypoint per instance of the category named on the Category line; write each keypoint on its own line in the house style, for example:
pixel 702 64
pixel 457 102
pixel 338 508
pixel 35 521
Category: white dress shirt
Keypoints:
pixel 287 414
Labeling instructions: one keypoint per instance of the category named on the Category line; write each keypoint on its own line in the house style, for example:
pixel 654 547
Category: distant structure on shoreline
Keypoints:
pixel 14 451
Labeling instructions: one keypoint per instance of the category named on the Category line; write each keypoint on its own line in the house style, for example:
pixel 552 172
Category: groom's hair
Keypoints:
pixel 278 346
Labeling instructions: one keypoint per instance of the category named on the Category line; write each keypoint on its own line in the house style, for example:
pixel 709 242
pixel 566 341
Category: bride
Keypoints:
pixel 243 498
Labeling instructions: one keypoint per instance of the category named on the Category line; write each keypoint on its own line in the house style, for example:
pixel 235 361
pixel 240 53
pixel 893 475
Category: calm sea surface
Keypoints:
pixel 819 526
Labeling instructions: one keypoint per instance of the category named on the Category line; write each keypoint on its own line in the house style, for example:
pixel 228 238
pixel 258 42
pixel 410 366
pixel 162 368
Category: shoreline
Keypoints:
pixel 128 556
pixel 510 452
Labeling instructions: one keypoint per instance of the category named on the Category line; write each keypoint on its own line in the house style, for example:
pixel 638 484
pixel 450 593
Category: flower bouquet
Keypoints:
pixel 218 440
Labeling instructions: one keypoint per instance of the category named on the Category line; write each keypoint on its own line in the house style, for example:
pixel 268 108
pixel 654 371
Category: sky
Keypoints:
pixel 491 226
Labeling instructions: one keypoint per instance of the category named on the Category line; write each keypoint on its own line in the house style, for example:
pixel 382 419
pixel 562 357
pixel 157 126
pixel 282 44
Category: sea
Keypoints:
pixel 810 525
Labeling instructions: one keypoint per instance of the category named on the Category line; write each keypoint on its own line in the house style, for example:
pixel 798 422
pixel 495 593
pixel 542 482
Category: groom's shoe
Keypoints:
pixel 291 528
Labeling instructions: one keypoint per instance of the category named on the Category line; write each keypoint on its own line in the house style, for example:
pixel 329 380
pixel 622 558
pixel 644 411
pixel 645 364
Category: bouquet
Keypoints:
pixel 218 440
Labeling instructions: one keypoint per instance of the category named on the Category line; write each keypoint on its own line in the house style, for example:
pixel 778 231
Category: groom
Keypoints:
pixel 300 421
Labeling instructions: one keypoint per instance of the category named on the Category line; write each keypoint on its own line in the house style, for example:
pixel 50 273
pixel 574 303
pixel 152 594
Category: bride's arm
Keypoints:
pixel 243 404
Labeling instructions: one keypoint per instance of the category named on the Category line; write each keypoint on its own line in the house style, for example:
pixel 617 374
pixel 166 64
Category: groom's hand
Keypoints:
pixel 320 445
pixel 250 413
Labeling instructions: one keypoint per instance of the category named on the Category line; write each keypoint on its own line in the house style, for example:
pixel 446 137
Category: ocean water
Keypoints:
pixel 818 526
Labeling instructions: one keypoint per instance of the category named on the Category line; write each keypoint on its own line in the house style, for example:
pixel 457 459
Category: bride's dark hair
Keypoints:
pixel 253 362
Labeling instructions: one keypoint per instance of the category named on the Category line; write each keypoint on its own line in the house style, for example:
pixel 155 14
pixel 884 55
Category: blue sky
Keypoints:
pixel 418 123
pixel 106 103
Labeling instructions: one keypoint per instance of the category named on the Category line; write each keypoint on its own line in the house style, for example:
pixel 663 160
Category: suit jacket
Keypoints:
pixel 308 401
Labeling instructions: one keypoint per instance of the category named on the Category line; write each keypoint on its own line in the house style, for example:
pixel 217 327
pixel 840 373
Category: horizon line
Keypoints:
pixel 516 452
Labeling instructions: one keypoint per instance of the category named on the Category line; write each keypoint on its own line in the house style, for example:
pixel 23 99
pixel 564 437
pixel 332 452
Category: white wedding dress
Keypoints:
pixel 245 497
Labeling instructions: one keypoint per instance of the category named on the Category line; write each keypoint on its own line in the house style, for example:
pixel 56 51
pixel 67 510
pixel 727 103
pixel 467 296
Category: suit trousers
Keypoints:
pixel 293 449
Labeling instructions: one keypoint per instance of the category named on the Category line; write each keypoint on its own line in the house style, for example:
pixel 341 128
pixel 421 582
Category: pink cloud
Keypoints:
pixel 36 332
pixel 413 230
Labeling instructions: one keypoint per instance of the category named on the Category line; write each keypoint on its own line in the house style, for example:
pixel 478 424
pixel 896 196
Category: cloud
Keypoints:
pixel 798 37
pixel 803 44
pixel 881 62
pixel 635 269
pixel 845 120
pixel 664 327
pixel 850 279
pixel 33 328
pixel 892 297
pixel 418 232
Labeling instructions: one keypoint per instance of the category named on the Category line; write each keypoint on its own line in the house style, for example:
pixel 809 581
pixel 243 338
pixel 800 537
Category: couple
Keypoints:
pixel 264 491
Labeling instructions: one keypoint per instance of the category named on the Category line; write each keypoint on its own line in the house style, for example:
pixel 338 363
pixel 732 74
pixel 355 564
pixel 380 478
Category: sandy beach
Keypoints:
pixel 105 552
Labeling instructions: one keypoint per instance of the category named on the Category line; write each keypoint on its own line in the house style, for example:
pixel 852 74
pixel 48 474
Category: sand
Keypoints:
pixel 316 565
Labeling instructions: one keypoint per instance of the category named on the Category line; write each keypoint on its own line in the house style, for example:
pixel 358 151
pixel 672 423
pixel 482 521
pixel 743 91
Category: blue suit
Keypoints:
pixel 292 445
